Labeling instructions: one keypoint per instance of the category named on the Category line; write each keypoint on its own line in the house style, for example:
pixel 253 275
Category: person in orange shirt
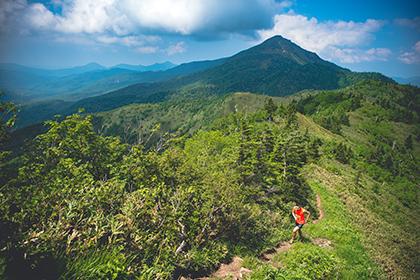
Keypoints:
pixel 299 216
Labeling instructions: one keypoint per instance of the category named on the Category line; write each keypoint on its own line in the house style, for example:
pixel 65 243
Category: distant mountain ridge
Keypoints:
pixel 276 67
pixel 143 68
pixel 26 84
pixel 415 80
pixel 90 67
pixel 93 66
pixel 60 72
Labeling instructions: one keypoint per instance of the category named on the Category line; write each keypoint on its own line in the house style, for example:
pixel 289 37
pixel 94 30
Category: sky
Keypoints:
pixel 362 35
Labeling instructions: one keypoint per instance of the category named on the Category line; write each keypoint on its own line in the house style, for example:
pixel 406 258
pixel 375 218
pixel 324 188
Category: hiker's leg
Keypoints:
pixel 294 232
pixel 300 233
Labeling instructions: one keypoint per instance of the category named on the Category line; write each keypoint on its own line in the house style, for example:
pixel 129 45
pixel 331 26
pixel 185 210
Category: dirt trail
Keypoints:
pixel 319 206
pixel 235 270
pixel 285 245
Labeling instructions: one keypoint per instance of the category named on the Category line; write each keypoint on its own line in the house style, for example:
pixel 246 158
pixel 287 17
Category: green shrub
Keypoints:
pixel 204 259
pixel 267 273
pixel 101 264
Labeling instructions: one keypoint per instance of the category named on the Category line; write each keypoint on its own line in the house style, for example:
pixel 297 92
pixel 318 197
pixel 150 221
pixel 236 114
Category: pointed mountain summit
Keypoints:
pixel 279 67
pixel 282 48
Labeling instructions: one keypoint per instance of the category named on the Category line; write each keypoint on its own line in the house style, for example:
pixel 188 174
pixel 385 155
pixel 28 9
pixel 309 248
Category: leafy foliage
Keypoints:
pixel 94 207
pixel 102 207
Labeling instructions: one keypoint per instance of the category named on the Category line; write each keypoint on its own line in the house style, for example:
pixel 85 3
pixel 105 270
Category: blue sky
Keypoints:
pixel 369 35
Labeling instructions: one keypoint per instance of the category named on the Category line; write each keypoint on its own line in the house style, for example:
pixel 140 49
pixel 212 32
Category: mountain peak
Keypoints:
pixel 278 38
pixel 278 41
pixel 90 66
pixel 93 64
pixel 278 49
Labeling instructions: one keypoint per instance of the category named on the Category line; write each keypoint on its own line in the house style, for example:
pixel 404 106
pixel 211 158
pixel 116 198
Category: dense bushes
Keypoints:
pixel 106 210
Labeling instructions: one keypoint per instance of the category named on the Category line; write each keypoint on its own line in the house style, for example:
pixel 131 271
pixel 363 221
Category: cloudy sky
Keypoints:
pixel 363 35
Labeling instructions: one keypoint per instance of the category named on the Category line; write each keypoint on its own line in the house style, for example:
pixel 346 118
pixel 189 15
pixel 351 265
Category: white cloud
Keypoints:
pixel 147 49
pixel 129 41
pixel 417 46
pixel 124 17
pixel 351 55
pixel 8 10
pixel 193 16
pixel 78 16
pixel 40 17
pixel 411 57
pixel 409 22
pixel 74 39
pixel 176 48
pixel 316 36
pixel 337 40
pixel 285 4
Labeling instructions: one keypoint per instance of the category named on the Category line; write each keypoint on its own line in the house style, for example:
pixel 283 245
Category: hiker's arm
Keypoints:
pixel 309 214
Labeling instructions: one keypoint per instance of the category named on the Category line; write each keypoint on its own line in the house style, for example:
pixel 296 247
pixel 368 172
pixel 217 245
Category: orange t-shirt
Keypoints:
pixel 300 216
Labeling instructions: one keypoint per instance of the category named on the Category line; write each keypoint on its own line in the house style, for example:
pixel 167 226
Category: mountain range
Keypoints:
pixel 415 80
pixel 27 84
pixel 276 67
pixel 143 68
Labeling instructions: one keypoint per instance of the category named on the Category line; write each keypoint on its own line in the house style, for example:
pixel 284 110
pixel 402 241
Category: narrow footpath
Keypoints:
pixel 234 268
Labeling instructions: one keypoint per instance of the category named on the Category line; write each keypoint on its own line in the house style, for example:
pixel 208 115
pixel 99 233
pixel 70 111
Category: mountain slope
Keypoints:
pixel 276 67
pixel 357 148
pixel 379 184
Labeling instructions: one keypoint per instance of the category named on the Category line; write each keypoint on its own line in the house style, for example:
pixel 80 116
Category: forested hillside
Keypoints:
pixel 174 189
pixel 276 67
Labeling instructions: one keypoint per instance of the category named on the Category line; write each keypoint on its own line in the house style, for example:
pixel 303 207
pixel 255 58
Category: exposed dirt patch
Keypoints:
pixel 322 242
pixel 319 206
pixel 232 270
pixel 268 255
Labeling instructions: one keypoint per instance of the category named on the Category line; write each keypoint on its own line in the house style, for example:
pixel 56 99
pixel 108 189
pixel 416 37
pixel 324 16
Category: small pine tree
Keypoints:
pixel 291 114
pixel 270 108
pixel 408 143
pixel 343 153
pixel 313 148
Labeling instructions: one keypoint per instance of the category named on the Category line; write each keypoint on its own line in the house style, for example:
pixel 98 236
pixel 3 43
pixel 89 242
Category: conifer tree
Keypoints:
pixel 408 143
pixel 270 108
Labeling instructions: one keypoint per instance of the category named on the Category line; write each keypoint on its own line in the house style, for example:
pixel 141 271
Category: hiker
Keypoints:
pixel 299 216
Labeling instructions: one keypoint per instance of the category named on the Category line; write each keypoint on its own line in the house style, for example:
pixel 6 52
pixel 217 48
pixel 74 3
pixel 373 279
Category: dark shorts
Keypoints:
pixel 300 226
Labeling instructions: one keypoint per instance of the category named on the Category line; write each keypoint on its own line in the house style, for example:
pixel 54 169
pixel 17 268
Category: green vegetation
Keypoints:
pixel 160 190
pixel 180 115
pixel 102 209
